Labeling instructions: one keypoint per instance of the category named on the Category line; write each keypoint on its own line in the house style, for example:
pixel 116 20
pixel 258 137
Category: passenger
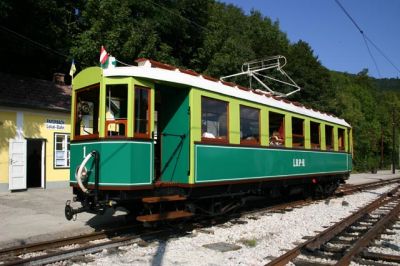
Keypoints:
pixel 208 135
pixel 276 139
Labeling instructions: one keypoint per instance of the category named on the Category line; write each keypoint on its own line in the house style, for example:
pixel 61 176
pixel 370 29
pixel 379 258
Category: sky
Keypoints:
pixel 334 39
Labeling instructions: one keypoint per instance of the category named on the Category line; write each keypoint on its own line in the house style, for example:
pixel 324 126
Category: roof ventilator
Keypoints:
pixel 260 69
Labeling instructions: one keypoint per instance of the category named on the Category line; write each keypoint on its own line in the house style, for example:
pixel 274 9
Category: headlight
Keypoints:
pixel 84 173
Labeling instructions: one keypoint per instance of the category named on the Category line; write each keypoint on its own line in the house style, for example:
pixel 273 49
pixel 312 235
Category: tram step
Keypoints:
pixel 164 216
pixel 163 198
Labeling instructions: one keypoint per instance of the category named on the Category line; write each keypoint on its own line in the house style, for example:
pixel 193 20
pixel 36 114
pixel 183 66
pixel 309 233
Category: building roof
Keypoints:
pixel 154 70
pixel 26 92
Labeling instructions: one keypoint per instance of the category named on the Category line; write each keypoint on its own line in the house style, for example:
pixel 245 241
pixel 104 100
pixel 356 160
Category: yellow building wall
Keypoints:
pixel 8 131
pixel 35 127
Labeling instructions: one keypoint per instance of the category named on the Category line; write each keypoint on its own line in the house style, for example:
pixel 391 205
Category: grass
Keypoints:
pixel 248 242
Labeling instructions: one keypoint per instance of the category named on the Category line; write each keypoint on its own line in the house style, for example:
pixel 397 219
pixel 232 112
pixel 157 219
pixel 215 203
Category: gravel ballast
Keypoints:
pixel 259 237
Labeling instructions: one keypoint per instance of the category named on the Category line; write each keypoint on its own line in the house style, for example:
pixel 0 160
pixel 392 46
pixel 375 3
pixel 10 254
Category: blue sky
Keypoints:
pixel 334 39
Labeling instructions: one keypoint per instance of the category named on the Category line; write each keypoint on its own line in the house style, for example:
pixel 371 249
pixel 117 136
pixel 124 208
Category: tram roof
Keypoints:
pixel 154 70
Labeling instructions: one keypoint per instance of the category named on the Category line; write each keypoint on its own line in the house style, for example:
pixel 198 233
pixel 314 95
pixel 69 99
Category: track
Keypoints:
pixel 67 248
pixel 348 239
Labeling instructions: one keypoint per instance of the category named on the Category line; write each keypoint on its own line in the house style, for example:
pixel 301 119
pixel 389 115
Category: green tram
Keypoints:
pixel 167 143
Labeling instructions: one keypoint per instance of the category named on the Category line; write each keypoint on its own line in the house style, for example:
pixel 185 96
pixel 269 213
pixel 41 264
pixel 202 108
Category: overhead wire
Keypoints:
pixel 177 14
pixel 19 35
pixel 366 40
pixel 370 54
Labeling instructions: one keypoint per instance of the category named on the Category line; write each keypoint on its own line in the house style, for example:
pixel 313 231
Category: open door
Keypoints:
pixel 17 168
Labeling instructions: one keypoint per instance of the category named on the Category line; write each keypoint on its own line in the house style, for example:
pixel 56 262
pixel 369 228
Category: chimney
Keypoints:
pixel 58 78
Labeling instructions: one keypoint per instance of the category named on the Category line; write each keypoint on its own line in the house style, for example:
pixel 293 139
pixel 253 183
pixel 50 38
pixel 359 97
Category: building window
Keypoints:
pixel 276 129
pixel 61 150
pixel 315 135
pixel 116 110
pixel 298 132
pixel 214 119
pixel 142 112
pixel 249 125
pixel 87 113
pixel 329 137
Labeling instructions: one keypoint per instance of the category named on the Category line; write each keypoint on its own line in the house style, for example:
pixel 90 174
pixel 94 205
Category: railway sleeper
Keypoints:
pixel 362 261
pixel 305 262
pixel 380 257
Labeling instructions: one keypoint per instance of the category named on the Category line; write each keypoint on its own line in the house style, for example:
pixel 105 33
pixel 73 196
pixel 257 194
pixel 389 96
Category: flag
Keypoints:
pixel 72 69
pixel 103 55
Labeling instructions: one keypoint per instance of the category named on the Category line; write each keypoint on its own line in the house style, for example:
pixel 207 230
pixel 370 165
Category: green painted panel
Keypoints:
pixel 218 163
pixel 121 162
pixel 174 125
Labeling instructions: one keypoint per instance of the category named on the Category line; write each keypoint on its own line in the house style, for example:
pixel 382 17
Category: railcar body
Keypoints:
pixel 154 133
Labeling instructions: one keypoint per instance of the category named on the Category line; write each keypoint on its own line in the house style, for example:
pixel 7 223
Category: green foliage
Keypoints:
pixel 370 112
pixel 204 35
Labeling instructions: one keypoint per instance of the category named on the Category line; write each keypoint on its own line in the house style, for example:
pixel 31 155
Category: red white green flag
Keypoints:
pixel 103 55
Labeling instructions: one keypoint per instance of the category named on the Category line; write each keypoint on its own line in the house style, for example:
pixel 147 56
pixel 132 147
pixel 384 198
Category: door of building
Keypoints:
pixel 17 164
pixel 34 163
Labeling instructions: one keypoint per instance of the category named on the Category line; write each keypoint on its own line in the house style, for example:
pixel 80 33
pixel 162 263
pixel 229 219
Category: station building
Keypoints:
pixel 34 132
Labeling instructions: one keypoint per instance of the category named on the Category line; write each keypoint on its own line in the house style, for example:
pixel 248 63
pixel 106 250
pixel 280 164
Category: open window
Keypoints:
pixel 298 132
pixel 315 135
pixel 276 129
pixel 142 112
pixel 87 113
pixel 249 125
pixel 329 137
pixel 214 120
pixel 341 139
pixel 116 110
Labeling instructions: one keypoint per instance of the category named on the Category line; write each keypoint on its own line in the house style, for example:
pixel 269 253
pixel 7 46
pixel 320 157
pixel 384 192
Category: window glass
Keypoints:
pixel 116 110
pixel 142 112
pixel 61 150
pixel 214 119
pixel 329 137
pixel 341 139
pixel 298 132
pixel 249 125
pixel 87 112
pixel 276 129
pixel 315 135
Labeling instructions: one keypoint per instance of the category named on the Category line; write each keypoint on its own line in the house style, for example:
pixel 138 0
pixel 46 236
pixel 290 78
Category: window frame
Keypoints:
pixel 216 139
pixel 89 136
pixel 330 147
pixel 343 146
pixel 116 121
pixel 254 142
pixel 148 134
pixel 298 135
pixel 283 143
pixel 315 146
pixel 67 157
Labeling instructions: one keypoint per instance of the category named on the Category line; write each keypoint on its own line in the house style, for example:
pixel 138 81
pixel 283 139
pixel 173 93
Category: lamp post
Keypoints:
pixel 394 145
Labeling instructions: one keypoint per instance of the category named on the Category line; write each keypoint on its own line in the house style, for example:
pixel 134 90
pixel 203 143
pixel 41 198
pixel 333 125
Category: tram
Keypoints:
pixel 167 143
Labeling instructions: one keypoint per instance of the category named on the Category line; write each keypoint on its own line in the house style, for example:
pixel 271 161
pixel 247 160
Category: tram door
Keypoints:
pixel 172 147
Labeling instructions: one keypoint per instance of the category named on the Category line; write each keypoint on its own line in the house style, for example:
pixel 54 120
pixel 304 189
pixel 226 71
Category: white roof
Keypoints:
pixel 145 70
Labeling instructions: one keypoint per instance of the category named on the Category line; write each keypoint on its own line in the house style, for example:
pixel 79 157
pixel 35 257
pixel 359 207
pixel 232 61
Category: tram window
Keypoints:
pixel 87 112
pixel 116 110
pixel 276 129
pixel 142 112
pixel 315 135
pixel 298 132
pixel 214 119
pixel 249 125
pixel 329 137
pixel 341 139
